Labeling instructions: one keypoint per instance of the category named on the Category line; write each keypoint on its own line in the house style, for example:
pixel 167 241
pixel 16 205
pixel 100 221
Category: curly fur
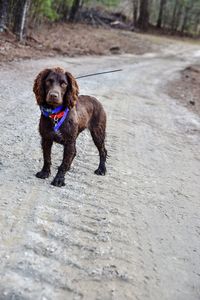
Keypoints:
pixel 38 87
pixel 71 95
pixel 84 112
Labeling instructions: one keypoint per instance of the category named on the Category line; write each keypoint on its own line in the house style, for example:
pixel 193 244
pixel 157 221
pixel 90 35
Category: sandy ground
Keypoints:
pixel 133 234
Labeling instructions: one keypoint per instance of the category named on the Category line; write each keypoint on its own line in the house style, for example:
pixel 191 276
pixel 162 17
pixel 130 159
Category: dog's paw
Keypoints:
pixel 42 174
pixel 100 171
pixel 58 181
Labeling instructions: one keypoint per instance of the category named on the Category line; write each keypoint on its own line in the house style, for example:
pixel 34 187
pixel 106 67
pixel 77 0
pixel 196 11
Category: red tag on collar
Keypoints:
pixel 57 116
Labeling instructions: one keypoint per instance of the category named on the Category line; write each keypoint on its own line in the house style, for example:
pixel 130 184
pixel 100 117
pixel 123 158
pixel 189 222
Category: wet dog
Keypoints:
pixel 64 114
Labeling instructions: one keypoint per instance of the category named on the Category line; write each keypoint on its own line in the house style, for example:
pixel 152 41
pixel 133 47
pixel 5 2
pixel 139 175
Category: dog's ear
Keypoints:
pixel 71 95
pixel 39 88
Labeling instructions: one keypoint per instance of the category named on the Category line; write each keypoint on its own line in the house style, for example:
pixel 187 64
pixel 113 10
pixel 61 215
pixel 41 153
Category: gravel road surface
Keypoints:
pixel 133 234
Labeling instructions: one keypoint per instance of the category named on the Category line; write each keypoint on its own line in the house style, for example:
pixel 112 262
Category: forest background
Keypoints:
pixel 180 17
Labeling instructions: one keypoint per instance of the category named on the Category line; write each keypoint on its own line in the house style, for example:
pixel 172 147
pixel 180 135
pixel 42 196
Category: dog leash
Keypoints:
pixel 100 73
pixel 57 115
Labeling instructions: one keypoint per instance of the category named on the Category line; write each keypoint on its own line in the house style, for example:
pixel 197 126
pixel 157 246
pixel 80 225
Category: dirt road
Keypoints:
pixel 133 234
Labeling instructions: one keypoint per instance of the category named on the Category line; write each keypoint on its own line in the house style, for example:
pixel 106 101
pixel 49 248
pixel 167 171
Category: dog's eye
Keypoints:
pixel 63 84
pixel 48 82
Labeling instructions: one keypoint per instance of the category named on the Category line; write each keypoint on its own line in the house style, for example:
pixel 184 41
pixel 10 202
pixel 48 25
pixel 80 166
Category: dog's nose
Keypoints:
pixel 54 95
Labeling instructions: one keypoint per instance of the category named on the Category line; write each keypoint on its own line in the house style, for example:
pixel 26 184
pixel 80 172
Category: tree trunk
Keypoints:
pixel 185 19
pixel 178 17
pixel 160 16
pixel 197 24
pixel 63 10
pixel 143 21
pixel 174 15
pixel 135 12
pixel 21 11
pixel 4 4
pixel 74 10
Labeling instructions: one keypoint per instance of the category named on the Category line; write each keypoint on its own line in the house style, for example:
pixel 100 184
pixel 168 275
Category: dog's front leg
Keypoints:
pixel 46 148
pixel 69 154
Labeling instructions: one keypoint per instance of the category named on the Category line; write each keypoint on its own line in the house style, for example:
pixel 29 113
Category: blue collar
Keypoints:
pixel 57 115
pixel 48 111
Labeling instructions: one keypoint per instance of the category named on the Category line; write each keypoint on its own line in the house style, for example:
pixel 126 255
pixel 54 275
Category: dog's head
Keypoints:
pixel 55 87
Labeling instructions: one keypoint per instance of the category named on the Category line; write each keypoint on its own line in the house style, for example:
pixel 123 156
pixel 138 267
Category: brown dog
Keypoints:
pixel 64 115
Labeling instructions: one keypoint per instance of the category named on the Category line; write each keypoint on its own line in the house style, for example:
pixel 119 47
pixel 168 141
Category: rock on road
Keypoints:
pixel 133 234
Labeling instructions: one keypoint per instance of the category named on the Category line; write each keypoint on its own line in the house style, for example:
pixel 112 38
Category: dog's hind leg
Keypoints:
pixel 98 136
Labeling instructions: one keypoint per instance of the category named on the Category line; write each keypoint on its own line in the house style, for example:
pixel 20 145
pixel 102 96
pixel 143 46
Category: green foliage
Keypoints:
pixel 59 9
pixel 178 15
pixel 44 8
pixel 107 3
